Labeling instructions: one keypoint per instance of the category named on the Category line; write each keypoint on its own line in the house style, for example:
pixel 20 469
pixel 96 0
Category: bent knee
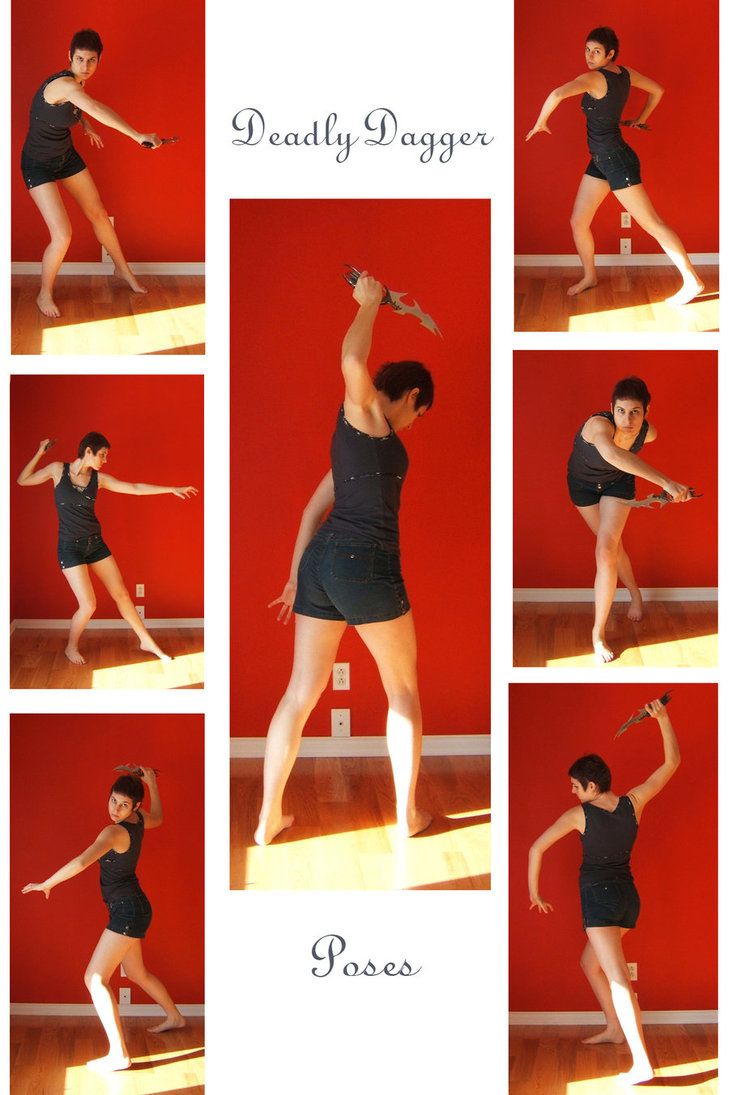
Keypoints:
pixel 97 214
pixel 120 594
pixel 606 552
pixel 92 978
pixel 88 605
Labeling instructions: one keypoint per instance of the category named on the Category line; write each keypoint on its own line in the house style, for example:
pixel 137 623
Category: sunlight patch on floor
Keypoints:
pixel 140 333
pixel 469 813
pixel 147 1076
pixel 185 669
pixel 700 315
pixel 693 652
pixel 665 1073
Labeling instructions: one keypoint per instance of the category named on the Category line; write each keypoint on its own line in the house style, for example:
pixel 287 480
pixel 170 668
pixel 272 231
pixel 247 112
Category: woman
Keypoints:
pixel 608 826
pixel 49 157
pixel 80 545
pixel 601 475
pixel 614 165
pixel 347 570
pixel 117 849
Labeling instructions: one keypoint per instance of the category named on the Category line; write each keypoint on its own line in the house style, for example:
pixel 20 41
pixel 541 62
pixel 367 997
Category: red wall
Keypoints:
pixel 290 309
pixel 671 41
pixel 61 769
pixel 152 72
pixel 674 860
pixel 155 425
pixel 553 546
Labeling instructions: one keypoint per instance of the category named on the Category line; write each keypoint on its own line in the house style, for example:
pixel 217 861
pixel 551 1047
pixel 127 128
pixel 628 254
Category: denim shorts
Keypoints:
pixel 354 580
pixel 74 553
pixel 620 167
pixel 611 903
pixel 589 494
pixel 130 915
pixel 37 172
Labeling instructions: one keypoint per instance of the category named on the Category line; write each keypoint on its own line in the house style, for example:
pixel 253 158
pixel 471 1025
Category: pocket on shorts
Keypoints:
pixel 353 562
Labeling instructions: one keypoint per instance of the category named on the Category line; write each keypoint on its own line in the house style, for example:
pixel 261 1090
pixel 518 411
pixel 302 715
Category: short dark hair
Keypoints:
pixel 93 441
pixel 129 786
pixel 394 378
pixel 631 387
pixel 607 38
pixel 86 39
pixel 591 769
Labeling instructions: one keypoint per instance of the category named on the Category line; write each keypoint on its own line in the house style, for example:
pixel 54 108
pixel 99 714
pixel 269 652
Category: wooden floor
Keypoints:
pixel 100 315
pixel 48 1056
pixel 549 1060
pixel 671 633
pixel 343 836
pixel 627 298
pixel 113 659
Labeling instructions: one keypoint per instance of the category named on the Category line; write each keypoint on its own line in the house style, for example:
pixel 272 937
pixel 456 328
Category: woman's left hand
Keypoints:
pixel 543 128
pixel 94 137
pixel 184 492
pixel 541 904
pixel 37 887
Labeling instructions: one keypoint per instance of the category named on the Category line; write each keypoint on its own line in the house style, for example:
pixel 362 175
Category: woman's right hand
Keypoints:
pixel 368 290
pixel 538 903
pixel 39 887
pixel 286 600
pixel 678 492
pixel 543 128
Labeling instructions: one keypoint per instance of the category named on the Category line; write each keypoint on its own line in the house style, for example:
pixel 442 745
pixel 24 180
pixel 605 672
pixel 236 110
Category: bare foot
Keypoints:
pixel 171 1022
pixel 110 1063
pixel 150 646
pixel 581 285
pixel 414 824
pixel 74 655
pixel 269 830
pixel 635 612
pixel 691 288
pixel 603 653
pixel 615 1037
pixel 47 305
pixel 637 1075
pixel 130 280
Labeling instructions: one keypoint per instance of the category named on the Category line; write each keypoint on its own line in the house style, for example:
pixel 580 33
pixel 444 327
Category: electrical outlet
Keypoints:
pixel 633 971
pixel 626 221
pixel 340 676
pixel 625 247
pixel 340 722
pixel 125 996
pixel 140 611
pixel 140 589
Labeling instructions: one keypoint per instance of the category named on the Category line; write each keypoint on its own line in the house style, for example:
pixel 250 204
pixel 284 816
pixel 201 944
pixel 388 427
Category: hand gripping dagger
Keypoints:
pixel 642 714
pixel 395 300
pixel 659 500
pixel 133 769
pixel 163 140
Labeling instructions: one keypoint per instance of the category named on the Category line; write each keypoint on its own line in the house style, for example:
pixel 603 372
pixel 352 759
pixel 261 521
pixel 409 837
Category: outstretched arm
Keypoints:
pixel 29 477
pixel 565 824
pixel 66 89
pixel 103 844
pixel 359 391
pixel 598 432
pixel 153 816
pixel 588 82
pixel 314 513
pixel 644 792
pixel 655 94
pixel 120 487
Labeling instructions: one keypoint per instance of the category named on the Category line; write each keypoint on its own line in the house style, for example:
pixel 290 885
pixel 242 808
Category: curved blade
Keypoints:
pixel 642 714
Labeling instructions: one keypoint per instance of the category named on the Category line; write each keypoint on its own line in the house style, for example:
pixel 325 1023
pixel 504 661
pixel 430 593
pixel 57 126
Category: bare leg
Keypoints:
pixel 591 515
pixel 591 193
pixel 601 987
pixel 635 199
pixel 83 188
pixel 51 208
pixel 110 951
pixel 315 648
pixel 392 645
pixel 80 582
pixel 137 972
pixel 110 575
pixel 608 948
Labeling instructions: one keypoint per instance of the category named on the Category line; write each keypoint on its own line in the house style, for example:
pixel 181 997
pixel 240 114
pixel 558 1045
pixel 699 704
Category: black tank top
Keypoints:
pixel 607 841
pixel 75 506
pixel 117 869
pixel 49 132
pixel 585 462
pixel 368 476
pixel 603 115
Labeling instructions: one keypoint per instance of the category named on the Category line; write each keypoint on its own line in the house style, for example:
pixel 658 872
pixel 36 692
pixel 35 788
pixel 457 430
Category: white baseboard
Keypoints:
pixel 106 625
pixel 698 258
pixel 88 1009
pixel 180 269
pixel 657 593
pixel 596 1018
pixel 434 745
